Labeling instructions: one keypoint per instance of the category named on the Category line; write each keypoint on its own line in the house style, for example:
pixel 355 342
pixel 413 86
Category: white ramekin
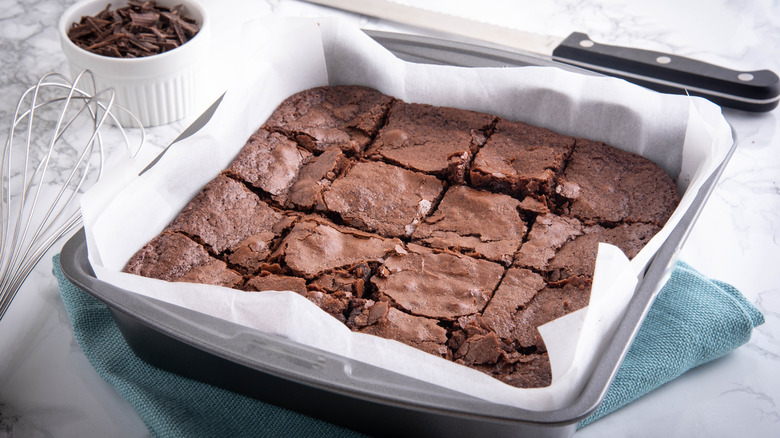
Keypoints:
pixel 157 89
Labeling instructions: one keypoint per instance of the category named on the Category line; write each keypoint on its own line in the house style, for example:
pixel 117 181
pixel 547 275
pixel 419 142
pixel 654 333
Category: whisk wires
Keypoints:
pixel 40 203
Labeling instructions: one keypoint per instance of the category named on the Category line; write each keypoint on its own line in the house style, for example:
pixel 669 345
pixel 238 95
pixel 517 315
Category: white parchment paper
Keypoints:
pixel 687 137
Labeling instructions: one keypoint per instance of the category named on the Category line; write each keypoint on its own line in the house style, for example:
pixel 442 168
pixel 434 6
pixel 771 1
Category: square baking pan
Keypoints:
pixel 347 392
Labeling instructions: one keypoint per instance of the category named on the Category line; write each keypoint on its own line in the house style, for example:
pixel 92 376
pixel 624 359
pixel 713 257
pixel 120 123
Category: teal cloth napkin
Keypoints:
pixel 692 321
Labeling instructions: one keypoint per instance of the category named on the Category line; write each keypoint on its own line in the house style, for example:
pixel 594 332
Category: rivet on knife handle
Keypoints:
pixel 747 90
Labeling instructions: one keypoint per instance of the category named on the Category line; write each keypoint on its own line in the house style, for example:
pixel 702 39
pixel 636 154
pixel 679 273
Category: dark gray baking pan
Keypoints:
pixel 344 391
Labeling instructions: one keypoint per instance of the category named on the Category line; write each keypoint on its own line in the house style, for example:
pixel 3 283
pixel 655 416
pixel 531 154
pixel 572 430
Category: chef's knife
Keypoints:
pixel 746 90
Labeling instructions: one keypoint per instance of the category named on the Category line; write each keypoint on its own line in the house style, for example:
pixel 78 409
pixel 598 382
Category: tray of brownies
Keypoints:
pixel 401 235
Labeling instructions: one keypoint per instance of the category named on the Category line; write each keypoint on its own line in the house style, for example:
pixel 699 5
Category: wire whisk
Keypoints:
pixel 53 153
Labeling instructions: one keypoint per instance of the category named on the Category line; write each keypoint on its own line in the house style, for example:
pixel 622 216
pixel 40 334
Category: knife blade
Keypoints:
pixel 194 127
pixel 757 91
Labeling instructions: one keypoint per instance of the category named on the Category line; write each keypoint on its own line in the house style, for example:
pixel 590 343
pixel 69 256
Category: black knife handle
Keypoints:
pixel 747 90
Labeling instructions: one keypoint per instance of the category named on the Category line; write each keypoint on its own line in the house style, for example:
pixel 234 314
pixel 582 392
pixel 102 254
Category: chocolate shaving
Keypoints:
pixel 142 28
pixel 143 20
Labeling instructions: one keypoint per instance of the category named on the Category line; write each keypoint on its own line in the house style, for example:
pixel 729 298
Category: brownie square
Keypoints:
pixel 548 233
pixel 268 161
pixel 520 160
pixel 381 198
pixel 418 331
pixel 564 247
pixel 175 257
pixel 476 345
pixel 578 256
pixel 550 303
pixel 431 139
pixel 459 224
pixel 315 246
pixel 522 370
pixel 437 284
pixel 609 185
pixel 226 216
pixel 346 116
pixel 517 289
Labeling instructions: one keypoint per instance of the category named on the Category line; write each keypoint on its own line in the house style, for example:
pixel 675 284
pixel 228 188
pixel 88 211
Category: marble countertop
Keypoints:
pixel 47 387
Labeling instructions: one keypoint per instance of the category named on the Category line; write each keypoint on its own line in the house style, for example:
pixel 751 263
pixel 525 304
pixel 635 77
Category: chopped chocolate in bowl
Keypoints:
pixel 136 30
pixel 154 54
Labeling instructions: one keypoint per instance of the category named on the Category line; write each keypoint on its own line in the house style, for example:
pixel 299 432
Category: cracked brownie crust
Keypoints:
pixel 452 231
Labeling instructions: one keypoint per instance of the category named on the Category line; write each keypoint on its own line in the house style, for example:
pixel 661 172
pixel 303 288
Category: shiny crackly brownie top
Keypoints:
pixel 452 231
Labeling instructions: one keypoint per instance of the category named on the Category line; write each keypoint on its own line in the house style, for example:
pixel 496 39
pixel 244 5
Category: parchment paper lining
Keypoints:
pixel 686 136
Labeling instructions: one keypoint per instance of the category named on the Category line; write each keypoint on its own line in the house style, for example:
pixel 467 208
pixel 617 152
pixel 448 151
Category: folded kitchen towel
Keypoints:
pixel 693 321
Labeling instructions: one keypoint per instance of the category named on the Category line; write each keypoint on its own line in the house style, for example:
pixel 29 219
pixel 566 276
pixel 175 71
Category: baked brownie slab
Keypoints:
pixel 431 139
pixel 381 198
pixel 422 236
pixel 460 224
pixel 344 116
